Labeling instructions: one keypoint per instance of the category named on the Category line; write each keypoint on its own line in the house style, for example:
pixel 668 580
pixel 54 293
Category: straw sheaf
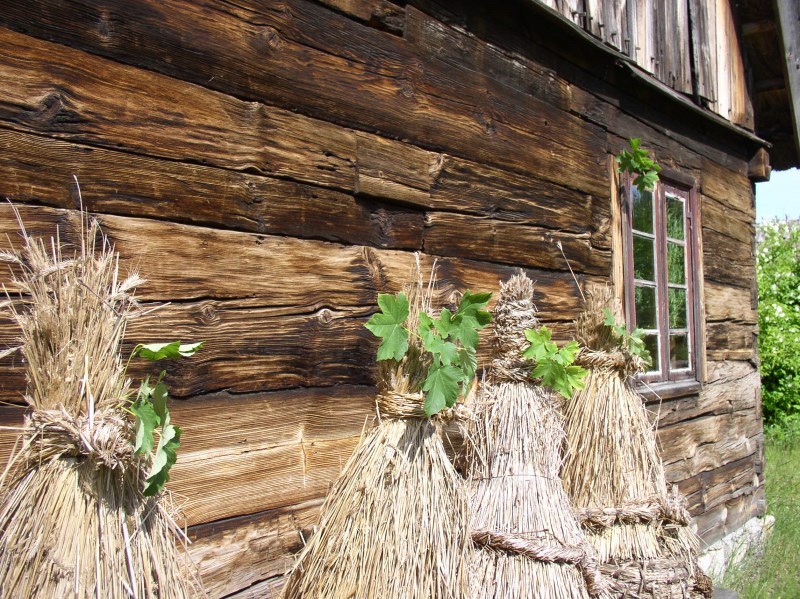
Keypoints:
pixel 614 474
pixel 73 520
pixel 394 525
pixel 527 540
pixel 515 311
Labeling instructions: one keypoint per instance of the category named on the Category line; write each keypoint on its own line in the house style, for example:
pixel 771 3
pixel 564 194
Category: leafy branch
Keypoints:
pixel 638 162
pixel 632 342
pixel 451 339
pixel 554 366
pixel 150 410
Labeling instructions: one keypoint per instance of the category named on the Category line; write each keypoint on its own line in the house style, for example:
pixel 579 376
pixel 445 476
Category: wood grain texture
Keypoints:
pixel 237 554
pixel 74 96
pixel 303 56
pixel 40 169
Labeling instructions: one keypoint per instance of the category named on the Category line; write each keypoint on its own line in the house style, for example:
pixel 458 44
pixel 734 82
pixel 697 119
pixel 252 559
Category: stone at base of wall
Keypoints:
pixel 733 548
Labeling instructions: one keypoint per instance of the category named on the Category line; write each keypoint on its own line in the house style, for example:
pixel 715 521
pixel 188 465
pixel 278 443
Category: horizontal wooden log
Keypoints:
pixel 309 58
pixel 452 234
pixel 380 14
pixel 727 261
pixel 723 519
pixel 714 487
pixel 186 263
pixel 732 387
pixel 68 94
pixel 40 169
pixel 233 555
pixel 720 217
pixel 708 442
pixel 731 339
pixel 726 303
pixel 731 188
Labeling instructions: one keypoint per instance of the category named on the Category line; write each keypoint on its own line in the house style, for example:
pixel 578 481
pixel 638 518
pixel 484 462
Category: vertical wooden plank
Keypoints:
pixel 594 16
pixel 613 16
pixel 702 15
pixel 723 107
pixel 788 12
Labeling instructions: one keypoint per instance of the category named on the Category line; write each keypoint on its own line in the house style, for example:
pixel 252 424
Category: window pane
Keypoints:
pixel 675 218
pixel 645 301
pixel 642 210
pixel 643 258
pixel 678 351
pixel 676 263
pixel 651 343
pixel 677 308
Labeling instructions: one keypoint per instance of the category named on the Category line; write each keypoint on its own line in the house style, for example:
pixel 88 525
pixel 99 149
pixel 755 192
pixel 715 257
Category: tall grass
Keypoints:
pixel 775 574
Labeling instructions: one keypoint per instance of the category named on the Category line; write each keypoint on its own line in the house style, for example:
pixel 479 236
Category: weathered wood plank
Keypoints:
pixel 453 234
pixel 731 188
pixel 40 169
pixel 727 261
pixel 708 442
pixel 380 14
pixel 732 387
pixel 237 553
pixel 728 517
pixel 724 302
pixel 231 484
pixel 465 186
pixel 68 94
pixel 332 67
pixel 731 339
pixel 727 221
pixel 183 262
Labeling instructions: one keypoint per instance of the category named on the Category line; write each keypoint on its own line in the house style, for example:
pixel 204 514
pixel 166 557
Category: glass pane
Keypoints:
pixel 651 343
pixel 642 210
pixel 678 351
pixel 677 308
pixel 643 258
pixel 676 263
pixel 645 301
pixel 675 218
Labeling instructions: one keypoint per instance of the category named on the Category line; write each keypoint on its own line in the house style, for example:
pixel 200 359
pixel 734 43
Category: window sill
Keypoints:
pixel 655 392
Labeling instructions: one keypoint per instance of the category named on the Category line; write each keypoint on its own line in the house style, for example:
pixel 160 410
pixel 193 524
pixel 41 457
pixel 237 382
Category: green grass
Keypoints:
pixel 776 574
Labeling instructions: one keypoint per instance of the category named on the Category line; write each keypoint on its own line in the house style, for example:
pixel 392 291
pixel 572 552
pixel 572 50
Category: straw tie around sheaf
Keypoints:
pixel 626 364
pixel 104 438
pixel 581 555
pixel 669 509
pixel 412 405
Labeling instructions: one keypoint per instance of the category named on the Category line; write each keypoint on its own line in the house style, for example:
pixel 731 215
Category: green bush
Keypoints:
pixel 778 271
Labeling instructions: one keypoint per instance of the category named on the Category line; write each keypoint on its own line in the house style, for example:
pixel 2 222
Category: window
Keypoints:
pixel 660 276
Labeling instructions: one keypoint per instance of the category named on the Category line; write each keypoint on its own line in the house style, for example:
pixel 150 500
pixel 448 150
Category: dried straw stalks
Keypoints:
pixel 528 542
pixel 394 524
pixel 73 520
pixel 614 474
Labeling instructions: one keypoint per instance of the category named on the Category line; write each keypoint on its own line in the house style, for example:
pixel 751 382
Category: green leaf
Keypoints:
pixel 159 400
pixel 441 388
pixel 388 324
pixel 569 352
pixel 165 458
pixel 165 351
pixel 609 321
pixel 146 422
pixel 444 324
pixel 540 345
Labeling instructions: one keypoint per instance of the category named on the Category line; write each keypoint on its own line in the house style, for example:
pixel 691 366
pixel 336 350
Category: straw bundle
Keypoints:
pixel 614 475
pixel 394 525
pixel 528 542
pixel 73 520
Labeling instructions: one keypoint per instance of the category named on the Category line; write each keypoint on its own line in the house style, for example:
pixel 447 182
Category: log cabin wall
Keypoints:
pixel 270 167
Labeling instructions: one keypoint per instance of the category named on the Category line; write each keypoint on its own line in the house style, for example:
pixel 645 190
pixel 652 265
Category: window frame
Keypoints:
pixel 685 187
